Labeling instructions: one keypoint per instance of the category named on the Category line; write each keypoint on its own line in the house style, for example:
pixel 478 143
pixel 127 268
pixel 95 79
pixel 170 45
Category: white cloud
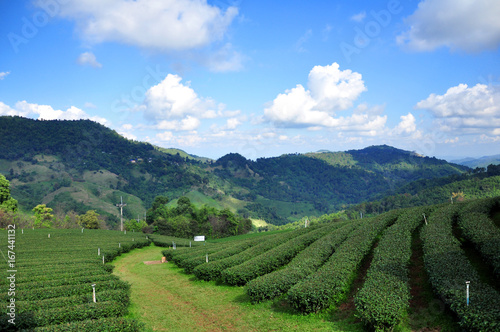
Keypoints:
pixel 232 123
pixel 88 59
pixel 46 112
pixel 335 89
pixel 128 135
pixel 407 124
pixel 358 17
pixel 330 90
pixel 126 131
pixel 190 140
pixel 4 74
pixel 165 136
pixel 175 106
pixel 451 140
pixel 472 26
pixel 7 110
pixel 189 123
pixel 173 99
pixel 468 110
pixel 153 24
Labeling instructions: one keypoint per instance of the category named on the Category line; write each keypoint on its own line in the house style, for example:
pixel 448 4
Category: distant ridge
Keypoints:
pixel 82 165
pixel 479 162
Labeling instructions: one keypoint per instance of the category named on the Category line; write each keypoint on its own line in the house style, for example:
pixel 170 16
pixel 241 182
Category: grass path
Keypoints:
pixel 167 299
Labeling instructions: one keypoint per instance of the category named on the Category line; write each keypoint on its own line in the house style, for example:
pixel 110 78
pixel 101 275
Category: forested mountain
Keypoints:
pixel 81 165
pixel 479 162
pixel 478 183
pixel 78 165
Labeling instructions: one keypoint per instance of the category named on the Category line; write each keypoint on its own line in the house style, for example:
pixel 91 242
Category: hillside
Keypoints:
pixel 464 187
pixel 82 165
pixel 479 162
pixel 327 181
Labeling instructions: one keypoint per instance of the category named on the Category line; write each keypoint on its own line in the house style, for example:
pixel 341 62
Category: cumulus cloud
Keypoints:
pixel 46 112
pixel 189 123
pixel 4 74
pixel 153 24
pixel 471 26
pixel 172 99
pixel 174 105
pixel 329 90
pixel 335 89
pixel 7 110
pixel 88 59
pixel 407 124
pixel 466 109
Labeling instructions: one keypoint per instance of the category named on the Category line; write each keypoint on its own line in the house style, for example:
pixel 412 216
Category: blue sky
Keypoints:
pixel 261 78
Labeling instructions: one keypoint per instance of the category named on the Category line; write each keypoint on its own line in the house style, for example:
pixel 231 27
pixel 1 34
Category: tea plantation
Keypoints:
pixel 46 281
pixel 48 277
pixel 314 268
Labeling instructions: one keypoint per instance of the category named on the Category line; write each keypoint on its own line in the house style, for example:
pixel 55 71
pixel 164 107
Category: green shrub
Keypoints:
pixel 274 258
pixel 306 262
pixel 449 269
pixel 478 228
pixel 113 324
pixel 384 298
pixel 231 250
pixel 333 280
pixel 213 270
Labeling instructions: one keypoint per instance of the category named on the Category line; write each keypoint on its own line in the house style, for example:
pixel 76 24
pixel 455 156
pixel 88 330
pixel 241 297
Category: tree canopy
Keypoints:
pixel 7 203
pixel 186 220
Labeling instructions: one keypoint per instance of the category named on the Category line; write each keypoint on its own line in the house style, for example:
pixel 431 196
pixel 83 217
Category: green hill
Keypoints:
pixel 82 165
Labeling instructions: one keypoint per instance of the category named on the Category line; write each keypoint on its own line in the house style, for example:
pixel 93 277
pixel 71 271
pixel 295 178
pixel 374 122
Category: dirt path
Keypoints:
pixel 166 299
pixel 170 302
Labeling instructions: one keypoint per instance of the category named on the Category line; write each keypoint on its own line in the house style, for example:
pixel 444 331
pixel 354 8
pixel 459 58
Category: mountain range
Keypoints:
pixel 478 162
pixel 82 165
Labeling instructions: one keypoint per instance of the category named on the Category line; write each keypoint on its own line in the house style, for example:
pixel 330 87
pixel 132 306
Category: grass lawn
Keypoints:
pixel 166 299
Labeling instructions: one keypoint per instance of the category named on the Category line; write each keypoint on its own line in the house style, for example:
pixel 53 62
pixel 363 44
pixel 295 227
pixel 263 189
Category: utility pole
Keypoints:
pixel 121 205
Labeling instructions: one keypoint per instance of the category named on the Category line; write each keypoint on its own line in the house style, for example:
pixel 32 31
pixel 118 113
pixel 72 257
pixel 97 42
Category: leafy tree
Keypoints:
pixel 90 220
pixel 134 225
pixel 186 220
pixel 184 206
pixel 43 216
pixel 158 209
pixel 71 220
pixel 7 203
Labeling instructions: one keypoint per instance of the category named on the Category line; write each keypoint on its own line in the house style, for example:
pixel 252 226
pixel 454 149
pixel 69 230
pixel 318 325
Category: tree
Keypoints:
pixel 7 203
pixel 134 225
pixel 158 209
pixel 43 216
pixel 90 220
pixel 184 206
